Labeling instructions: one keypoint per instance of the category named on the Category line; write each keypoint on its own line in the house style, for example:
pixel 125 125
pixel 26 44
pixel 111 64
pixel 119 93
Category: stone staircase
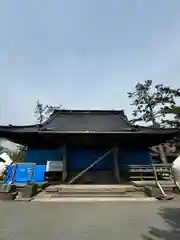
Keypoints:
pixel 93 191
pixel 138 190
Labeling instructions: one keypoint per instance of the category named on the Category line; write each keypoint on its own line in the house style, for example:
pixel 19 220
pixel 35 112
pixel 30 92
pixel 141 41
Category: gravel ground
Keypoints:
pixel 77 221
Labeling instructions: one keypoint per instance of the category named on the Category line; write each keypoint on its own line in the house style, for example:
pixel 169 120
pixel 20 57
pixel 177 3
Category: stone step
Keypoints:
pixel 91 188
pixel 91 199
pixel 93 194
pixel 108 191
pixel 99 195
pixel 164 183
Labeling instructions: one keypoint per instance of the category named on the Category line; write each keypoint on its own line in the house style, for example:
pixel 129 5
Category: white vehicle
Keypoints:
pixel 176 169
pixel 5 161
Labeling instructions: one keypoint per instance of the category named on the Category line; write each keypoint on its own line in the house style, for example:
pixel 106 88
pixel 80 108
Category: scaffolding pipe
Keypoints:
pixel 165 195
pixel 89 167
pixel 177 185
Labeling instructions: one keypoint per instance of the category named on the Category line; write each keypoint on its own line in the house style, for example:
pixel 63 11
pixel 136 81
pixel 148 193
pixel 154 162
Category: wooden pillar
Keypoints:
pixel 116 165
pixel 64 173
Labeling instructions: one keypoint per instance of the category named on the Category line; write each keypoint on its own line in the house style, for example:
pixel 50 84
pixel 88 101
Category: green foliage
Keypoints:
pixel 175 122
pixel 151 103
pixel 174 110
pixel 18 156
pixel 39 111
pixel 42 112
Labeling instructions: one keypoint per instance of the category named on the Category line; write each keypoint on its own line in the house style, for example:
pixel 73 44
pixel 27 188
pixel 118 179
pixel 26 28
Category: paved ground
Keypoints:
pixel 95 221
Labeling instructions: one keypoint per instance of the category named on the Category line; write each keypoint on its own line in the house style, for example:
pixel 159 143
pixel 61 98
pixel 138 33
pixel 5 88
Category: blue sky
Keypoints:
pixel 84 53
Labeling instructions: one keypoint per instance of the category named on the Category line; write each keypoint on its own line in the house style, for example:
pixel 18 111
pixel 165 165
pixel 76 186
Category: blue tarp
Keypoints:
pixel 23 174
pixel 39 174
pixel 80 159
pixel 8 174
pixel 134 157
pixel 41 156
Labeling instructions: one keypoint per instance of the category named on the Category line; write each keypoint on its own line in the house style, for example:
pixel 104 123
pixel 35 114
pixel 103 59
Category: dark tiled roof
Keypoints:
pixel 87 121
pixel 77 127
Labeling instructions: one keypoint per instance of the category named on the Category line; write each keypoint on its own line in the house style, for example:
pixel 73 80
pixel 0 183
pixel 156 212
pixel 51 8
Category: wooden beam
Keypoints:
pixel 116 165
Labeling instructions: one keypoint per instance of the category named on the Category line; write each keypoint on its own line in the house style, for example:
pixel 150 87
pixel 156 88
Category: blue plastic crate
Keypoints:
pixel 24 172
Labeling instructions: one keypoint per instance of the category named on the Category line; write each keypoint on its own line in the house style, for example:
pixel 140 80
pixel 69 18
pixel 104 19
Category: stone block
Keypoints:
pixel 152 191
pixel 29 190
pixel 7 188
pixel 8 196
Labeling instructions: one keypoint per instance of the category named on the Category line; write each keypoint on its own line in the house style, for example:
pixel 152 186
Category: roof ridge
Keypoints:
pixel 108 111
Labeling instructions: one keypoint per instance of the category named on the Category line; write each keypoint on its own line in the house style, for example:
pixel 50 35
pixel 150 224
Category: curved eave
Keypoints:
pixel 41 128
pixel 11 128
pixel 147 130
pixel 148 138
pixel 123 131
pixel 35 129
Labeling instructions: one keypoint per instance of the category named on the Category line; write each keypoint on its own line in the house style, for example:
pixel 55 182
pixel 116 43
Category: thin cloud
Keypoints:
pixel 83 54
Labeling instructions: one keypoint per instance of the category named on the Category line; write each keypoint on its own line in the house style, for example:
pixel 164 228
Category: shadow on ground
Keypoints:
pixel 171 217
